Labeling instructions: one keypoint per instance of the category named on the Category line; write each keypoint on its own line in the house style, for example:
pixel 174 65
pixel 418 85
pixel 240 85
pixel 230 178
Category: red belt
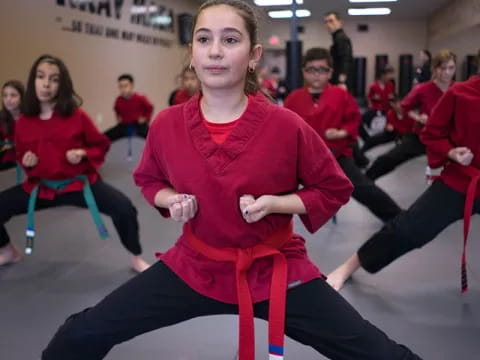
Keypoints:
pixel 243 259
pixel 474 175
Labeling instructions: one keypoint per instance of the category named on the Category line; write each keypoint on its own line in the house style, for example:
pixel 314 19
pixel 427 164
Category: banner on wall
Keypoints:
pixel 145 13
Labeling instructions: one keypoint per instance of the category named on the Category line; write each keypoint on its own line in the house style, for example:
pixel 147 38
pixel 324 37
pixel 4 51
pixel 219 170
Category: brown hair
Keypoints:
pixel 249 17
pixel 317 54
pixel 478 61
pixel 442 57
pixel 6 119
pixel 67 99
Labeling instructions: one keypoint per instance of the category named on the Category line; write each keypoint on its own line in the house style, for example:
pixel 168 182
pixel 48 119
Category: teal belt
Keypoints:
pixel 59 185
pixel 17 167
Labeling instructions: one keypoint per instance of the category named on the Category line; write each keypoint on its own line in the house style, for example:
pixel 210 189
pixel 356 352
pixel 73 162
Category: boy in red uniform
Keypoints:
pixel 222 164
pixel 60 150
pixel 418 105
pixel 133 111
pixel 333 113
pixel 451 139
pixel 380 94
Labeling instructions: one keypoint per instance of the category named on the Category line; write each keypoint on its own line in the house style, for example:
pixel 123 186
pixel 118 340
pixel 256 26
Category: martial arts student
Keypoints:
pixel 398 124
pixel 418 105
pixel 190 85
pixel 334 115
pixel 60 150
pixel 380 93
pixel 222 164
pixel 133 111
pixel 12 97
pixel 451 139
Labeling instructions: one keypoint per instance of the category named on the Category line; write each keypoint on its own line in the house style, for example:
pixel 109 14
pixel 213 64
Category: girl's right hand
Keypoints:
pixel 461 155
pixel 29 159
pixel 183 207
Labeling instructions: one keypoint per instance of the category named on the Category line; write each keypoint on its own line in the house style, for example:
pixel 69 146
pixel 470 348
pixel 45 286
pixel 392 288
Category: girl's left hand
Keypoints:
pixel 253 209
pixel 74 156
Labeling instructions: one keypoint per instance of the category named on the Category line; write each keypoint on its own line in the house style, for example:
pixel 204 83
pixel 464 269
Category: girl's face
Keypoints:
pixel 446 71
pixel 47 81
pixel 11 99
pixel 317 73
pixel 221 50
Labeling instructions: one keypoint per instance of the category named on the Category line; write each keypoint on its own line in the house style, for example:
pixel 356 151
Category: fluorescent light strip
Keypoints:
pixel 276 2
pixel 371 1
pixel 369 11
pixel 286 14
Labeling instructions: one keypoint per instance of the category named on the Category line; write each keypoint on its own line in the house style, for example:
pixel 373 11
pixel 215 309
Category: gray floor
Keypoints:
pixel 416 300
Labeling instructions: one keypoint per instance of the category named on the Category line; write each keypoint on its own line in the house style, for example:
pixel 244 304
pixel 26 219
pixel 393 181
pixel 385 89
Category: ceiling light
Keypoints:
pixel 285 14
pixel 371 1
pixel 276 2
pixel 369 11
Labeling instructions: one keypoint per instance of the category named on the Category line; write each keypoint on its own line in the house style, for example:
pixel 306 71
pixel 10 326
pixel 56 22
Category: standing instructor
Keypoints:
pixel 341 51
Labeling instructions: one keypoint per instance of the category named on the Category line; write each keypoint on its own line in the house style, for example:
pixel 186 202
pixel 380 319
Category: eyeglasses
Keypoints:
pixel 317 70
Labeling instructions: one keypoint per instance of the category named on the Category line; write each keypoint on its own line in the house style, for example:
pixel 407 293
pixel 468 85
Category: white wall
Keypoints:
pixel 391 37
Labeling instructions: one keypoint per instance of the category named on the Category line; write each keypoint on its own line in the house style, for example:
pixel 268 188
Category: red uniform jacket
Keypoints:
pixel 50 140
pixel 270 87
pixel 269 151
pixel 455 122
pixel 401 126
pixel 380 97
pixel 181 96
pixel 335 108
pixel 423 97
pixel 131 109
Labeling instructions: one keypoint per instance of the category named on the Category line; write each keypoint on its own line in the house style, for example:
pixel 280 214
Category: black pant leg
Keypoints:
pixel 318 316
pixel 118 206
pixel 115 204
pixel 367 193
pixel 153 299
pixel 432 212
pixel 142 130
pixel 379 139
pixel 117 132
pixel 409 148
pixel 14 201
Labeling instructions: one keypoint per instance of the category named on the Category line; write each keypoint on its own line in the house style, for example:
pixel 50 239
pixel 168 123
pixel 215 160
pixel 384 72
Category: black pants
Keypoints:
pixel 410 147
pixel 110 201
pixel 434 210
pixel 379 139
pixel 121 130
pixel 367 193
pixel 6 165
pixel 316 315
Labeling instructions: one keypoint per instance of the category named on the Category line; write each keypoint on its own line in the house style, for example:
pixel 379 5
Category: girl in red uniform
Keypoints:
pixel 12 96
pixel 333 113
pixel 190 85
pixel 418 105
pixel 60 150
pixel 222 164
pixel 451 139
